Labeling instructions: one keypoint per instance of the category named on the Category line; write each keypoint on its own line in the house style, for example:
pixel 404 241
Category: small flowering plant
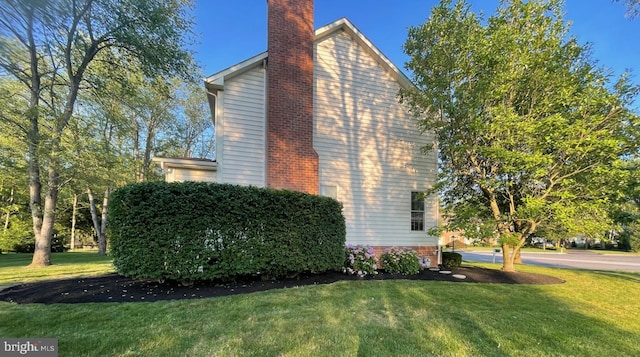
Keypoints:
pixel 403 261
pixel 360 260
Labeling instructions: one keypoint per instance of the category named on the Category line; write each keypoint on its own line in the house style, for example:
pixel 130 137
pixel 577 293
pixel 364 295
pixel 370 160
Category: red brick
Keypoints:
pixel 292 163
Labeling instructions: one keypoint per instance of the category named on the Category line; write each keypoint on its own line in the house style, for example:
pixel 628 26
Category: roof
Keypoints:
pixel 216 81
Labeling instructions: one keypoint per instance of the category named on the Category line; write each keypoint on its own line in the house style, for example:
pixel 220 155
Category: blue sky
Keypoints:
pixel 230 31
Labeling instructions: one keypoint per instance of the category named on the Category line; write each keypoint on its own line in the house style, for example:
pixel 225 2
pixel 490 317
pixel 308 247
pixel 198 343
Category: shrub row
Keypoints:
pixel 360 260
pixel 198 231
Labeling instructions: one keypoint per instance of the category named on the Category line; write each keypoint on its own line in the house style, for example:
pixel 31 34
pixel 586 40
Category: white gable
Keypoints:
pixel 368 144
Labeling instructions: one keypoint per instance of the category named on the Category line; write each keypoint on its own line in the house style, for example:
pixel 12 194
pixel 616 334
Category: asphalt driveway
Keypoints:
pixel 572 258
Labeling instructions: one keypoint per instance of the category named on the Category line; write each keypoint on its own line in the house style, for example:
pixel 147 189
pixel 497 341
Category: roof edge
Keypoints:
pixel 187 163
pixel 343 24
pixel 217 79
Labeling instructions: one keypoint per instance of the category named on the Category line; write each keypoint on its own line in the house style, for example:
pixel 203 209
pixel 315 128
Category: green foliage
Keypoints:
pixel 403 261
pixel 360 260
pixel 509 238
pixel 451 259
pixel 50 49
pixel 198 231
pixel 630 237
pixel 531 132
pixel 18 237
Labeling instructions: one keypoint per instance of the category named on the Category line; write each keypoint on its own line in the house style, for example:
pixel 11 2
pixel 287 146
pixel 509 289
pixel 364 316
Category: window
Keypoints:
pixel 417 211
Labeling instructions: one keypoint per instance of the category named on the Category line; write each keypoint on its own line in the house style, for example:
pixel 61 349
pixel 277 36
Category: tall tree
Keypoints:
pixel 13 189
pixel 529 130
pixel 48 46
pixel 150 112
pixel 192 133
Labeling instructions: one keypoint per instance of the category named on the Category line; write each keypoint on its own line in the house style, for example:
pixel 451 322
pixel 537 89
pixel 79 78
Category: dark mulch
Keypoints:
pixel 115 288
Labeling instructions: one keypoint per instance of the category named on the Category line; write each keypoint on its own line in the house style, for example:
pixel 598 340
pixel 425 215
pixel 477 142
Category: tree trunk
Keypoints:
pixel 94 214
pixel 42 252
pixel 102 238
pixel 517 259
pixel 99 223
pixel 72 244
pixel 507 258
pixel 6 219
pixel 35 185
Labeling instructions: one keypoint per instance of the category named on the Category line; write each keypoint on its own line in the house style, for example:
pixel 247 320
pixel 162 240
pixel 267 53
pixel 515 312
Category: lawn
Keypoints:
pixel 13 267
pixel 592 314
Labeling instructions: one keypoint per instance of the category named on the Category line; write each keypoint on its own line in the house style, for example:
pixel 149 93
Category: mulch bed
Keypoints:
pixel 115 288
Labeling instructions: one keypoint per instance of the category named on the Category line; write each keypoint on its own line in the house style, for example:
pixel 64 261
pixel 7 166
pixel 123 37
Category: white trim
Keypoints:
pixel 205 165
pixel 219 127
pixel 216 80
pixel 265 63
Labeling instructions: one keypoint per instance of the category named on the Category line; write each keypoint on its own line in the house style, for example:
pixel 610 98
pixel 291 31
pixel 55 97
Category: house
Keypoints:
pixel 319 113
pixel 188 169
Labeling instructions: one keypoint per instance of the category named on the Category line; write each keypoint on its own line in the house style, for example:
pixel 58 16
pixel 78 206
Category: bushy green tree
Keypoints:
pixel 530 131
pixel 50 46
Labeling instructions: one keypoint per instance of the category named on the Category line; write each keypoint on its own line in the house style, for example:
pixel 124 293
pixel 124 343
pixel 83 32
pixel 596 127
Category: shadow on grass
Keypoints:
pixel 488 320
pixel 633 277
pixel 368 318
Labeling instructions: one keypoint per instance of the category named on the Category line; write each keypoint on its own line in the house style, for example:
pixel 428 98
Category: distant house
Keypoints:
pixel 319 113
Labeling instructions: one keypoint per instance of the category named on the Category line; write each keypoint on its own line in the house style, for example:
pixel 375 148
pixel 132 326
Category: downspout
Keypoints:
pixel 265 64
pixel 215 106
pixel 439 250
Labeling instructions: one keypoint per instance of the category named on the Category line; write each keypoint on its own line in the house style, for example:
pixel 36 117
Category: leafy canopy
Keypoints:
pixel 529 130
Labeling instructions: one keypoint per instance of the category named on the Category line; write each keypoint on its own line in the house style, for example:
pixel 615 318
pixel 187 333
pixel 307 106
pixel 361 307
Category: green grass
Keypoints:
pixel 592 314
pixel 14 269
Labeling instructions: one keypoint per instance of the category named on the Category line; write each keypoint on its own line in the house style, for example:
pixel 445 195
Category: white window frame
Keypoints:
pixel 418 214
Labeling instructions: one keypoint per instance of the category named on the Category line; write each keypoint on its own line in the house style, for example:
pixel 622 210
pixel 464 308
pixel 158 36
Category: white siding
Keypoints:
pixel 243 145
pixel 369 146
pixel 183 174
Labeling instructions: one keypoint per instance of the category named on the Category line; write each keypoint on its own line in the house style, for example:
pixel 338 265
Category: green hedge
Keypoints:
pixel 451 259
pixel 198 231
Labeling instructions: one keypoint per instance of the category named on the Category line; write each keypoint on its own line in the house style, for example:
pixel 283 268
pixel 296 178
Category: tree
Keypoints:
pixel 627 213
pixel 48 46
pixel 529 130
pixel 13 189
pixel 193 132
pixel 633 7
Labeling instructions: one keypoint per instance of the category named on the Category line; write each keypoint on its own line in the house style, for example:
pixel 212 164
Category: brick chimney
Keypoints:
pixel 292 163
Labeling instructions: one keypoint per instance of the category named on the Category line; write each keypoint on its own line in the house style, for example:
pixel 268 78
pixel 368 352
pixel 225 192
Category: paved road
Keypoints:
pixel 572 259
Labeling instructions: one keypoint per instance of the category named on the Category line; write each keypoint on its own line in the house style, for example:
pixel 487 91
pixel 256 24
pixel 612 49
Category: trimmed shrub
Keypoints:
pixel 403 261
pixel 199 231
pixel 451 259
pixel 360 260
